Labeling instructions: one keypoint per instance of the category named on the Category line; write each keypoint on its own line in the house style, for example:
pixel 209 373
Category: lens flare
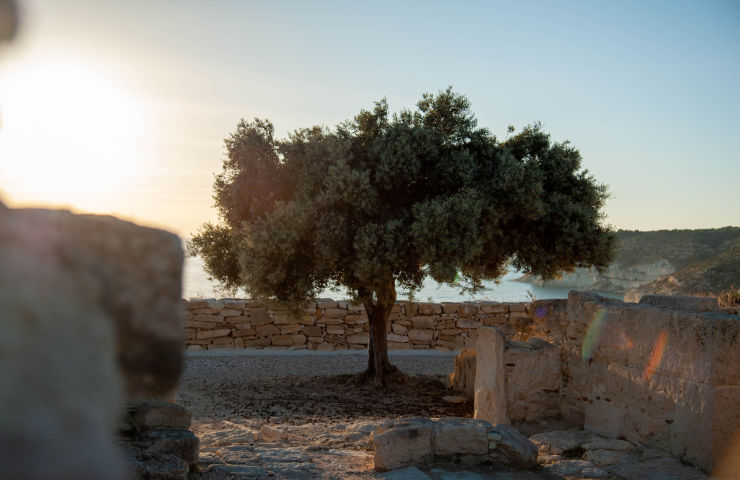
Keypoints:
pixel 623 342
pixel 540 312
pixel 594 332
pixel 655 356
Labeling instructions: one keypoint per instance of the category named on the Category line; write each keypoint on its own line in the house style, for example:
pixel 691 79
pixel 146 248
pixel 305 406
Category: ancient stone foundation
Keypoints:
pixel 664 374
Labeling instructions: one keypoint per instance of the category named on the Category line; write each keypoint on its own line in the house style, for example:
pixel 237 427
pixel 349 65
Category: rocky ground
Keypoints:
pixel 301 416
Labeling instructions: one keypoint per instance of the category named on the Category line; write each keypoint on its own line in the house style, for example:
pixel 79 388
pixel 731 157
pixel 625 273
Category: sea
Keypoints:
pixel 196 284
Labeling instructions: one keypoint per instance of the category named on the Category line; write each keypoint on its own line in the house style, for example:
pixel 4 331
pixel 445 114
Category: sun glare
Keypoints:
pixel 70 135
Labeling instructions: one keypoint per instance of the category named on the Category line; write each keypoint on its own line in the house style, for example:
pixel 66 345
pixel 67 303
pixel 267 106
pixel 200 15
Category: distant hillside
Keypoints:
pixel 666 261
pixel 680 248
pixel 712 276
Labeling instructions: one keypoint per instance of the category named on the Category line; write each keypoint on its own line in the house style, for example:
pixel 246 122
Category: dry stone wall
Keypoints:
pixel 329 325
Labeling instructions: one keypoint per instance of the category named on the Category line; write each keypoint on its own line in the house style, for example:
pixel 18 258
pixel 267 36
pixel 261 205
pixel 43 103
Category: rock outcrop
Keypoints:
pixel 91 315
pixel 418 441
pixel 676 262
pixel 157 441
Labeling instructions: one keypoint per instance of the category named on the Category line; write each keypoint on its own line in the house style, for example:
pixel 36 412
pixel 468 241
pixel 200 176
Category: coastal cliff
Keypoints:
pixel 665 261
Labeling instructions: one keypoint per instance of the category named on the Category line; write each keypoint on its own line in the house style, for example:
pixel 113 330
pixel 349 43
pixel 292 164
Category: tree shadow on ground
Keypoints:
pixel 299 400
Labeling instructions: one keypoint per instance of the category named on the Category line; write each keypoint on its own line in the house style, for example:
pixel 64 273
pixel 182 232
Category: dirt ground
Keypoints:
pixel 256 420
pixel 299 416
pixel 323 399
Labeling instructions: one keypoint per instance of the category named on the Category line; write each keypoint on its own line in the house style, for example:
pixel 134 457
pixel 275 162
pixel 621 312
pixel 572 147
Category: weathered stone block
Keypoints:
pixel 85 300
pixel 307 320
pixel 360 338
pixel 463 379
pixel 532 382
pixel 403 445
pixel 159 414
pixel 334 313
pixel 397 338
pixel 312 331
pixel 450 307
pixel 181 443
pixel 511 447
pixel 355 319
pixel 257 342
pixel 259 316
pixel 196 304
pixel 288 329
pixel 330 321
pixel 399 329
pixel 425 322
pixel 282 340
pixel 194 324
pixel 518 307
pixel 493 307
pixel 468 323
pixel 426 308
pixel 235 304
pixel 208 318
pixel 284 318
pixel 454 436
pixel 267 330
pixel 335 330
pixel 490 393
pixel 205 334
pixel 238 320
pixel 244 332
pixel 421 335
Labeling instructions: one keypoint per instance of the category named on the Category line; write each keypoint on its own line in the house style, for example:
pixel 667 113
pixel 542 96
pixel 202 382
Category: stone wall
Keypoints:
pixel 329 325
pixel 662 375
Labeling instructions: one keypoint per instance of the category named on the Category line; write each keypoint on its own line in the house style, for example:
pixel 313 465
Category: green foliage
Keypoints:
pixel 215 243
pixel 393 198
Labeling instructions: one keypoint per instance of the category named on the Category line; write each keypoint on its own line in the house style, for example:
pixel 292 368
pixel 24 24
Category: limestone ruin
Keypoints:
pixel 663 374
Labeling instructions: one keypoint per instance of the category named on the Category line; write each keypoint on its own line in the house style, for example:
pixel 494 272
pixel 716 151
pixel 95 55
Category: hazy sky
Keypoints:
pixel 122 107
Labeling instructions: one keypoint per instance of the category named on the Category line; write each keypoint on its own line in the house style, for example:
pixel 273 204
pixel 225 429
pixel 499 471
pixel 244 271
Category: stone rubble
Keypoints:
pixel 583 454
pixel 157 442
pixel 419 441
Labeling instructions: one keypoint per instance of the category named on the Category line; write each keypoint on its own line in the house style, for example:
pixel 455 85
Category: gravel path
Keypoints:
pixel 246 365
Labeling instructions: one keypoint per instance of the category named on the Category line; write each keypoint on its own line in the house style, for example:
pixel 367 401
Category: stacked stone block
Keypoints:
pixel 330 325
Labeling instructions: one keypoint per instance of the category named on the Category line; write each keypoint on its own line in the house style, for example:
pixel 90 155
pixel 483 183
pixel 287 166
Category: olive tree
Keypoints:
pixel 383 201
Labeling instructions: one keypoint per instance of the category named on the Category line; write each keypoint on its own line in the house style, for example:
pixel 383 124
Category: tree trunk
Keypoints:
pixel 378 309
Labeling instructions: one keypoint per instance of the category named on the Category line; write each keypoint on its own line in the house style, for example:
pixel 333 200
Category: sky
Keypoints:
pixel 122 107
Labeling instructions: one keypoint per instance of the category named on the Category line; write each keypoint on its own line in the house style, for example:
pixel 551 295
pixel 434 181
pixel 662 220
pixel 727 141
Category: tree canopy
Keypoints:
pixel 385 200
